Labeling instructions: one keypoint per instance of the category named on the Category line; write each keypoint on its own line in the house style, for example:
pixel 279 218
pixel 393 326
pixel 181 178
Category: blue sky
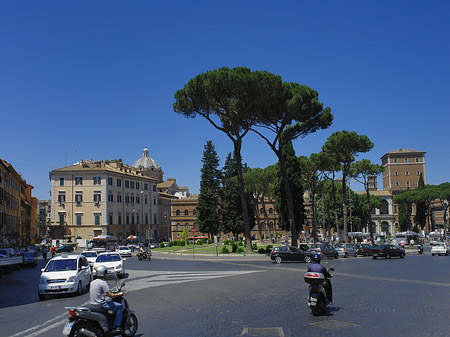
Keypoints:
pixel 96 79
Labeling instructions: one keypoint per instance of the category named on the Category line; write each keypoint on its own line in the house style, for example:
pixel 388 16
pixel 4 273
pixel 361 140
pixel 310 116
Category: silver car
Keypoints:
pixel 346 250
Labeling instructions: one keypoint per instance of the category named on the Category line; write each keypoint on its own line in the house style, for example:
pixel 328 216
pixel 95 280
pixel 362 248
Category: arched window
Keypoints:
pixel 186 225
pixel 178 212
pixel 178 227
pixel 270 210
pixel 194 212
pixel 186 212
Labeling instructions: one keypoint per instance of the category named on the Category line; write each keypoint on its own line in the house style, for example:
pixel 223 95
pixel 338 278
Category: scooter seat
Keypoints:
pixel 97 308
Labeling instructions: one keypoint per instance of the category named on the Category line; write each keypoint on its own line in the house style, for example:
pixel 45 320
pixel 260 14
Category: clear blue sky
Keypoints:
pixel 96 79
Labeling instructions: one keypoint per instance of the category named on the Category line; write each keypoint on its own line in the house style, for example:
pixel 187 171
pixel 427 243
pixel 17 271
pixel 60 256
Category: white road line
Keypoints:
pixel 142 279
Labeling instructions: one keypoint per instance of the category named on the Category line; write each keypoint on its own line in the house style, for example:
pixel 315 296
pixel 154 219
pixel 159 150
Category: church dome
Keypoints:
pixel 145 162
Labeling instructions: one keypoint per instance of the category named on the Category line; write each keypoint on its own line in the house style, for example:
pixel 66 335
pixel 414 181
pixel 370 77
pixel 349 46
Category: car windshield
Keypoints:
pixel 339 245
pixel 314 246
pixel 123 248
pixel 439 244
pixel 89 254
pixel 108 258
pixel 61 265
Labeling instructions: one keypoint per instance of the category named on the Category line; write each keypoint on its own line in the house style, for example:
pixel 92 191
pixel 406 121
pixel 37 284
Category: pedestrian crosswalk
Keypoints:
pixel 141 279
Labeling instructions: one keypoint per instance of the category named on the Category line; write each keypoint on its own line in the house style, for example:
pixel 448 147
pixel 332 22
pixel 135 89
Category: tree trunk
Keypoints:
pixel 344 207
pixel 369 215
pixel 237 156
pixel 314 219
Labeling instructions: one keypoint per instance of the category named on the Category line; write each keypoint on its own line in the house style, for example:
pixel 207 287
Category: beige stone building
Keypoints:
pixel 92 198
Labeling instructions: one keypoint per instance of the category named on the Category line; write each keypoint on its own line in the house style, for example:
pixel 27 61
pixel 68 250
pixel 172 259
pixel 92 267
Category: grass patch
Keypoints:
pixel 200 249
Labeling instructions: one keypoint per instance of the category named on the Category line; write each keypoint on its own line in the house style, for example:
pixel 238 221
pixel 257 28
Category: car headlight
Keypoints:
pixel 119 266
pixel 71 279
pixel 42 280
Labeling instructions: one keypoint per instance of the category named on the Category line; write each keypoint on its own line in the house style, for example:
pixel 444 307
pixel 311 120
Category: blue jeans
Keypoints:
pixel 117 308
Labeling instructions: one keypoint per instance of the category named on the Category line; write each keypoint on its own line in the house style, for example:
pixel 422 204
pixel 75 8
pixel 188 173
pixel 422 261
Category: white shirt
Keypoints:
pixel 98 291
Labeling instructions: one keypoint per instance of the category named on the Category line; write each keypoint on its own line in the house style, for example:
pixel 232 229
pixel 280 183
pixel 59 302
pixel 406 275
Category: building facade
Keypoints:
pixel 92 198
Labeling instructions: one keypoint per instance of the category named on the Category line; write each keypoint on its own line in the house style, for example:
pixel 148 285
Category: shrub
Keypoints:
pixel 261 251
pixel 269 248
pixel 240 244
pixel 225 250
pixel 227 242
pixel 240 250
pixel 161 245
pixel 254 246
pixel 209 241
pixel 234 247
pixel 170 244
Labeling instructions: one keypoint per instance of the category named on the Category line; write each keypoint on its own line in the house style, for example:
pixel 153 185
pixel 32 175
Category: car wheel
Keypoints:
pixel 365 253
pixel 388 256
pixel 336 256
pixel 356 254
pixel 346 255
pixel 42 297
pixel 402 256
pixel 278 259
pixel 432 254
pixel 374 257
pixel 307 259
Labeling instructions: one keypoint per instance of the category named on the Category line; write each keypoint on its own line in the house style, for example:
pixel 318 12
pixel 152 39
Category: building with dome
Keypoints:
pixel 149 167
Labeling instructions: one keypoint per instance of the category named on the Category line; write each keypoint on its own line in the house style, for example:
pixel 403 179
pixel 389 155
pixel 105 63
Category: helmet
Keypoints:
pixel 100 271
pixel 316 258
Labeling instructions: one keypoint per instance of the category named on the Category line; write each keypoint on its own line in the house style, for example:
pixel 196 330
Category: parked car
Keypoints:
pixel 29 258
pixel 64 274
pixel 440 248
pixel 123 251
pixel 388 251
pixel 288 253
pixel 64 249
pixel 346 249
pixel 324 249
pixel 365 249
pixel 90 255
pixel 113 261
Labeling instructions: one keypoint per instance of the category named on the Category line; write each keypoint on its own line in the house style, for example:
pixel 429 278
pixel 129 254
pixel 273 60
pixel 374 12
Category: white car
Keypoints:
pixel 440 248
pixel 90 255
pixel 123 251
pixel 113 261
pixel 64 274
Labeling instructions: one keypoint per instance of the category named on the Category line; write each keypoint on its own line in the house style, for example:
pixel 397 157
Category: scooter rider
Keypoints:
pixel 315 266
pixel 99 289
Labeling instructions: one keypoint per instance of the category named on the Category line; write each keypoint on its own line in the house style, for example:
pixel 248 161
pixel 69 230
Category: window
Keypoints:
pixel 110 181
pixel 154 188
pixel 78 219
pixel 97 181
pixel 119 219
pixel 146 200
pixel 194 212
pixel 61 181
pixel 127 184
pixel 406 160
pixel 145 187
pixel 119 182
pixel 78 180
pixel 138 200
pixel 396 173
pixel 132 219
pixel 132 199
pixel 155 221
pixel 154 201
pixel 407 183
pixel 110 218
pixel 119 198
pixel 178 227
pixel 407 173
pixel 137 185
pixel 395 208
pixel 417 160
pixel 97 219
pixel 78 198
pixel 146 219
pixel 178 212
pixel 97 197
pixel 111 197
pixel 137 218
pixel 127 199
pixel 61 219
pixel 61 198
pixel 270 210
pixel 395 160
pixel 128 219
pixel 131 184
pixel 418 173
pixel 186 212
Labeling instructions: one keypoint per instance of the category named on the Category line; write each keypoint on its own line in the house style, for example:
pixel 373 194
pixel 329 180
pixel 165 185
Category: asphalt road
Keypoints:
pixel 175 296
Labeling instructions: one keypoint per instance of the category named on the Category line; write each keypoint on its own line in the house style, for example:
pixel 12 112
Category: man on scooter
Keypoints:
pixel 316 267
pixel 99 289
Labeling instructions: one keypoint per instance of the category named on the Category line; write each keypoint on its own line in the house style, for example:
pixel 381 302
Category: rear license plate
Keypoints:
pixel 67 328
pixel 375 254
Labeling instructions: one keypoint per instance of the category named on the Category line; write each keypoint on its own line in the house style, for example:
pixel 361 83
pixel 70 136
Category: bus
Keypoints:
pixel 102 243
pixel 406 237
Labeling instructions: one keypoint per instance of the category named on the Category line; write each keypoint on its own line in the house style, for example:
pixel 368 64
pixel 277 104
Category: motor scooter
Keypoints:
pixel 93 320
pixel 318 297
pixel 420 249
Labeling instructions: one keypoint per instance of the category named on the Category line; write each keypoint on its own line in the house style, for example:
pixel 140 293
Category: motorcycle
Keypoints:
pixel 318 297
pixel 420 249
pixel 92 320
pixel 145 255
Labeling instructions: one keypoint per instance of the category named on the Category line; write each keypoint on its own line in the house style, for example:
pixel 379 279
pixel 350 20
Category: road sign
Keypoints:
pixel 193 230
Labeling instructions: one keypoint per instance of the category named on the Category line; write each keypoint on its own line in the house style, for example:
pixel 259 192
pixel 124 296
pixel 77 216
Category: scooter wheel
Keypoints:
pixel 131 326
pixel 140 257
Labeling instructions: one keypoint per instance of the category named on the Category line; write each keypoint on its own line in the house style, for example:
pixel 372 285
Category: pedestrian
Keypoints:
pixel 286 243
pixel 53 251
pixel 44 252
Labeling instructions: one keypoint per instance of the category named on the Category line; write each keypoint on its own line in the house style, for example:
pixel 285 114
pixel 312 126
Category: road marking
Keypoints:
pixel 141 279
